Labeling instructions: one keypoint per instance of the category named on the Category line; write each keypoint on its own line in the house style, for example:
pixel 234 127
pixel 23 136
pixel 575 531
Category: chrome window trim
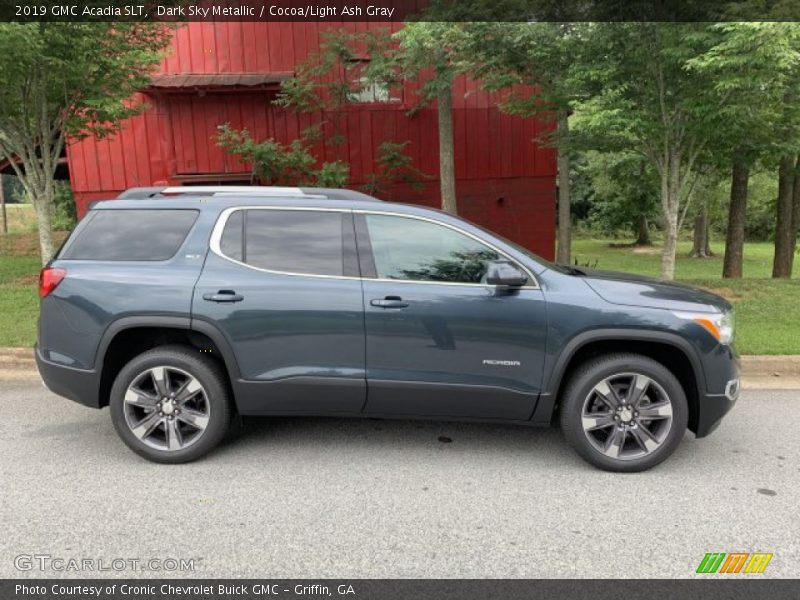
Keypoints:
pixel 219 227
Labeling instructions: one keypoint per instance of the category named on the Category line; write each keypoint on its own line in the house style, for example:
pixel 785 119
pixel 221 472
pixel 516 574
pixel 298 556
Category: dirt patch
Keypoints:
pixel 26 281
pixel 727 293
pixel 646 250
pixel 26 244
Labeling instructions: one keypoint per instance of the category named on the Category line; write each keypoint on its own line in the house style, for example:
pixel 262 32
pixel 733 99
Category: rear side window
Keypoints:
pixel 231 242
pixel 304 242
pixel 131 234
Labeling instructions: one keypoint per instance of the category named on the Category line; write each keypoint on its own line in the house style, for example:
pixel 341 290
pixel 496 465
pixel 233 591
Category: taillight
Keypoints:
pixel 49 278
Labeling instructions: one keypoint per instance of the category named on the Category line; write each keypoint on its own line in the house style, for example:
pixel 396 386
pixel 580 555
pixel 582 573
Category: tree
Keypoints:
pixel 67 79
pixel 752 67
pixel 648 101
pixel 419 51
pixel 733 261
pixel 787 209
pixel 704 204
pixel 784 234
pixel 541 57
pixel 274 163
pixel 625 192
pixel 394 165
pixel 424 52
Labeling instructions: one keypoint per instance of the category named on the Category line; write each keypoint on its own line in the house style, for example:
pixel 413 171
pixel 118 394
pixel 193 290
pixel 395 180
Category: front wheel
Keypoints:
pixel 171 405
pixel 624 412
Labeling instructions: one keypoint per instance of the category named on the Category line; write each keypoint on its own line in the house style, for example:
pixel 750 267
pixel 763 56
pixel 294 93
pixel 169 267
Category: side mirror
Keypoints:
pixel 506 274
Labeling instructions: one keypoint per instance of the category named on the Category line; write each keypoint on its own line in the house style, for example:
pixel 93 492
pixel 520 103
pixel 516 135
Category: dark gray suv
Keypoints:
pixel 183 308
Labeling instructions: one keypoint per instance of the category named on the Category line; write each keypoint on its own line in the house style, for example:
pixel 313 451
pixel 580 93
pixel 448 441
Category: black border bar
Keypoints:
pixel 339 11
pixel 733 587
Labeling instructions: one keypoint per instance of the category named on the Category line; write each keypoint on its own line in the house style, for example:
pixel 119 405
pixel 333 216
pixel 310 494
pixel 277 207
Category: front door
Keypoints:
pixel 282 286
pixel 440 341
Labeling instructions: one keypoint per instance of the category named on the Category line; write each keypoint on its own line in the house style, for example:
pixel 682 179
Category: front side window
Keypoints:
pixel 411 249
pixel 290 241
pixel 131 234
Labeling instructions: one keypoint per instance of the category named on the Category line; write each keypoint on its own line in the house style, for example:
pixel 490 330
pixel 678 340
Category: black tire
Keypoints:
pixel 206 371
pixel 579 391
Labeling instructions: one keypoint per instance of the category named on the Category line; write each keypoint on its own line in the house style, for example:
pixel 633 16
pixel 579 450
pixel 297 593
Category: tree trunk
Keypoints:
pixel 642 231
pixel 701 247
pixel 670 247
pixel 795 207
pixel 737 215
pixel 42 206
pixel 3 205
pixel 564 235
pixel 782 263
pixel 447 169
pixel 670 204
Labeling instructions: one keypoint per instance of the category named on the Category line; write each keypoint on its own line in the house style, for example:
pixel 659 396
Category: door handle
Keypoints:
pixel 223 296
pixel 389 302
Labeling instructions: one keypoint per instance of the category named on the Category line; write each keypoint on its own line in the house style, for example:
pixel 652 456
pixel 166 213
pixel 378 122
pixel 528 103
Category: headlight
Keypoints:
pixel 719 325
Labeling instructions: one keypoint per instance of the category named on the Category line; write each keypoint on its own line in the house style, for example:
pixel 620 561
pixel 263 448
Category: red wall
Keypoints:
pixel 504 180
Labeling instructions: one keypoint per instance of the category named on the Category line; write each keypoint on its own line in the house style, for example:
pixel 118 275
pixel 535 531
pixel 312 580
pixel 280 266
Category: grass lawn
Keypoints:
pixel 767 310
pixel 19 283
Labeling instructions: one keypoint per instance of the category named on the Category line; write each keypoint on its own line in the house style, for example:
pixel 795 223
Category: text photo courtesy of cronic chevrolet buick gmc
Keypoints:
pixel 182 309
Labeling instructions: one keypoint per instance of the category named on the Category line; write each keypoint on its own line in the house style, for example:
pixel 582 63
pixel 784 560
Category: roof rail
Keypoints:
pixel 244 190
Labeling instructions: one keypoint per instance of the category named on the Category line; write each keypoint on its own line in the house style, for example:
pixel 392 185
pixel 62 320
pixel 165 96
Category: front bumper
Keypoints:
pixel 79 385
pixel 712 407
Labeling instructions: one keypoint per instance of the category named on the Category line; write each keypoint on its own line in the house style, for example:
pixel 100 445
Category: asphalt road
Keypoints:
pixel 347 498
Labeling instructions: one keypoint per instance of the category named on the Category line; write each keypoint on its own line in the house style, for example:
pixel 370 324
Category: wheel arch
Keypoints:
pixel 130 336
pixel 669 349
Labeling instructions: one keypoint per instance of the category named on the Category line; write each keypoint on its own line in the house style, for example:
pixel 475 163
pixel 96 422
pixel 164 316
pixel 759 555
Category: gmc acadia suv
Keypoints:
pixel 183 308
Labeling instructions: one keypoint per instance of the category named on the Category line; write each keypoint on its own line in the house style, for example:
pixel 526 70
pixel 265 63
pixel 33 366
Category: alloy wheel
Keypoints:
pixel 166 408
pixel 627 416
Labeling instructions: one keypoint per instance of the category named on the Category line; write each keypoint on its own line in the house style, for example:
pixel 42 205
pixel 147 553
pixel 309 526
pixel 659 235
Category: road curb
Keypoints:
pixel 17 358
pixel 761 370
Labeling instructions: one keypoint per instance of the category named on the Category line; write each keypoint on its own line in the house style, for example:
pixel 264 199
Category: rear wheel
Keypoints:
pixel 171 404
pixel 624 412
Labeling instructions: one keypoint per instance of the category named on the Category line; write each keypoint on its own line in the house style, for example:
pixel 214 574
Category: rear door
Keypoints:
pixel 282 285
pixel 441 342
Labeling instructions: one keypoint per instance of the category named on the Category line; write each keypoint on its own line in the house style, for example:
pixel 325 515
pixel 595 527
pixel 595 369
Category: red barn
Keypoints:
pixel 229 72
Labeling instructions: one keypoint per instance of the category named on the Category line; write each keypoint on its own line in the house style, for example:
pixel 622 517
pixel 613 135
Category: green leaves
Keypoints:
pixel 274 163
pixel 67 79
pixel 76 76
pixel 393 166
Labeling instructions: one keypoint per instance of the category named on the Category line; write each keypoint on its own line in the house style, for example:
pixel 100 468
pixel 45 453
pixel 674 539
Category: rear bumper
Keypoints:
pixel 712 407
pixel 78 385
